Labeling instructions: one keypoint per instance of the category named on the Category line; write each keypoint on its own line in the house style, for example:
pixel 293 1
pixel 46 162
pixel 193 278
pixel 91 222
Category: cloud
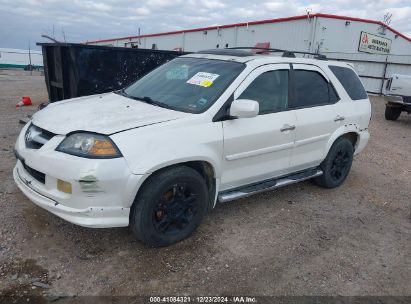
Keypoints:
pixel 23 21
pixel 197 19
pixel 162 3
pixel 248 13
pixel 141 11
pixel 213 4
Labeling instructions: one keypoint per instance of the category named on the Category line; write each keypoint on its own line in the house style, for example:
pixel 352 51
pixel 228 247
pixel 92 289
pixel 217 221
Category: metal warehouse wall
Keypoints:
pixel 333 35
pixel 279 34
pixel 340 41
pixel 317 33
pixel 337 37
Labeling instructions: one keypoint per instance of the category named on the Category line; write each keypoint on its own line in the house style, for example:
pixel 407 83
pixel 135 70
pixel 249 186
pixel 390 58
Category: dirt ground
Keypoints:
pixel 299 240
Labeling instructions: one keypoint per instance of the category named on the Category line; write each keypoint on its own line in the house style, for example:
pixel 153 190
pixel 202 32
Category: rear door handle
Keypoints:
pixel 339 118
pixel 287 127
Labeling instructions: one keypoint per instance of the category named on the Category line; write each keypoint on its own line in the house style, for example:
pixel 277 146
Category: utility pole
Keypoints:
pixel 139 38
pixel 31 70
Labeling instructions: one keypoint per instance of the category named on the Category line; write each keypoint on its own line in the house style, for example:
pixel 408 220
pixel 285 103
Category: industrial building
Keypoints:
pixel 17 58
pixel 374 48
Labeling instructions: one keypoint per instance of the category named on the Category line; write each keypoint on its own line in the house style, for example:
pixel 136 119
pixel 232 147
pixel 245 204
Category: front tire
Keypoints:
pixel 392 113
pixel 169 206
pixel 337 164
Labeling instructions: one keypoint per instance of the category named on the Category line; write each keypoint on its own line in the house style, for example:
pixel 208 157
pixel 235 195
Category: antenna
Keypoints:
pixel 385 23
pixel 308 10
pixel 64 33
pixel 387 18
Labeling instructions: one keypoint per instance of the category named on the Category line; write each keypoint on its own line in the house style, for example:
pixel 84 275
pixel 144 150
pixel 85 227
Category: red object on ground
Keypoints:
pixel 25 101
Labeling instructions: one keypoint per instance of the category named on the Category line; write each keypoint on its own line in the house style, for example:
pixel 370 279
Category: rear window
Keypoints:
pixel 350 82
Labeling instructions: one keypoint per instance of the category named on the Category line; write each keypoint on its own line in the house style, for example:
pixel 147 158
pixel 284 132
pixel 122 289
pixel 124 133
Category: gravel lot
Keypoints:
pixel 299 240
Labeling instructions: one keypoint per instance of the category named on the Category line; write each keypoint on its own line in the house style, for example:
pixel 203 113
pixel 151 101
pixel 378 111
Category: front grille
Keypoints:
pixel 36 137
pixel 39 176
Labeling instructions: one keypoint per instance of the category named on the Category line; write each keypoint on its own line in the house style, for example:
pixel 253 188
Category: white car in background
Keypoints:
pixel 397 94
pixel 207 127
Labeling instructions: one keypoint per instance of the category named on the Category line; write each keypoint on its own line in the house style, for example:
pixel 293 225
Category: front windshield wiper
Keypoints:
pixel 151 101
pixel 122 93
pixel 145 99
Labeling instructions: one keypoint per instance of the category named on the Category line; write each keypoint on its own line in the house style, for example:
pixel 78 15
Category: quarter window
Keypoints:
pixel 270 89
pixel 311 89
pixel 350 81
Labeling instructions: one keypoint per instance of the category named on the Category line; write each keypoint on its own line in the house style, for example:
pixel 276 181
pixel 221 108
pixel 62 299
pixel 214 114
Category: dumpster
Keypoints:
pixel 74 70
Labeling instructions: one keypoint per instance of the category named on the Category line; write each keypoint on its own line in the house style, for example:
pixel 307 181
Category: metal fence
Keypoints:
pixel 375 69
pixel 19 59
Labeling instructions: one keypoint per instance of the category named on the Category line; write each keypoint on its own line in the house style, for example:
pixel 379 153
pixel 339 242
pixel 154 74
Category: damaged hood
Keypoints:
pixel 104 113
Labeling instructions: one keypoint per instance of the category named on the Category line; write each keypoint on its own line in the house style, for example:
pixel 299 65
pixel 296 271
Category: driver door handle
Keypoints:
pixel 287 127
pixel 339 118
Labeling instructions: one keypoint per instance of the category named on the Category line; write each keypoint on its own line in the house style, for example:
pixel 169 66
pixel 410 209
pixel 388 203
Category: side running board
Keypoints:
pixel 267 185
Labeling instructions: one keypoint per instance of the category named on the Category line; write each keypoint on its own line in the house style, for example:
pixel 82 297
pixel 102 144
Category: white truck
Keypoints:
pixel 397 94
pixel 208 127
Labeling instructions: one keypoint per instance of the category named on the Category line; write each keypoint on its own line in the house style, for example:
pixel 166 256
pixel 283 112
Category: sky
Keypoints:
pixel 22 22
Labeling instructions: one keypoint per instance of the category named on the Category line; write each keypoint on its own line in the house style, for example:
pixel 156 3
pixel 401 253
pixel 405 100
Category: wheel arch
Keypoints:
pixel 352 137
pixel 204 167
pixel 351 132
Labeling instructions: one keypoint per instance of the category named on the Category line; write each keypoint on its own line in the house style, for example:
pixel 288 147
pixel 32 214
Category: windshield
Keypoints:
pixel 185 84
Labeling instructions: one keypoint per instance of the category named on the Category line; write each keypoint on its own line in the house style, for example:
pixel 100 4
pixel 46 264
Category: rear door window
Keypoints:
pixel 350 82
pixel 311 89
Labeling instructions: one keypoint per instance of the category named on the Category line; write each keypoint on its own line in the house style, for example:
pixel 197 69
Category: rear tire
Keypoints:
pixel 169 206
pixel 337 164
pixel 392 113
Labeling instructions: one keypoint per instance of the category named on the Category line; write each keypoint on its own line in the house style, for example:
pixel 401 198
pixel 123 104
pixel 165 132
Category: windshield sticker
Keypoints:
pixel 203 79
pixel 180 72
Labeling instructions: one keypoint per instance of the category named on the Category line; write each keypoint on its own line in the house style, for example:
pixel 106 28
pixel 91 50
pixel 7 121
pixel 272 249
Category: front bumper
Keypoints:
pixel 103 190
pixel 93 217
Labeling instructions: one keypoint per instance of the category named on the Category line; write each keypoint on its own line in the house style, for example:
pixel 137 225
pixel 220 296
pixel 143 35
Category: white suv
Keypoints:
pixel 207 127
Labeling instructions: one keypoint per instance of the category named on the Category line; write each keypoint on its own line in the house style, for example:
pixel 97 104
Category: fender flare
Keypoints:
pixel 177 161
pixel 180 161
pixel 345 129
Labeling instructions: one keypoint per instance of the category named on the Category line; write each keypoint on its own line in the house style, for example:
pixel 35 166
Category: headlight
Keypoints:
pixel 89 145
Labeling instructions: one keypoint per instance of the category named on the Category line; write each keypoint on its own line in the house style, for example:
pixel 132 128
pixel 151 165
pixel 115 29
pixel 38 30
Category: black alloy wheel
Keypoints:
pixel 337 164
pixel 169 206
pixel 175 209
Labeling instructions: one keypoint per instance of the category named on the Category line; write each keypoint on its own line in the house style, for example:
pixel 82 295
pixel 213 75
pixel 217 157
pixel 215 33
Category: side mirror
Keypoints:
pixel 244 108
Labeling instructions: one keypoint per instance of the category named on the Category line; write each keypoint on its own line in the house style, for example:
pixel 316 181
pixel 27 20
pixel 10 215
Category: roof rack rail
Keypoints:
pixel 286 53
pixel 236 53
